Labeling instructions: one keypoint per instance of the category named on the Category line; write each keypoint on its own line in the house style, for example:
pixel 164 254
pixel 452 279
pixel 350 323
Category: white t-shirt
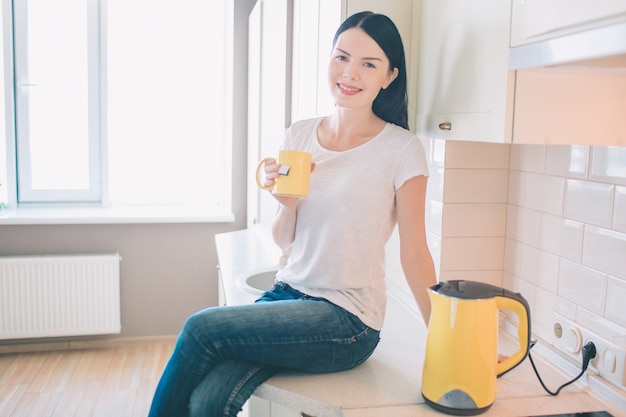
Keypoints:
pixel 348 216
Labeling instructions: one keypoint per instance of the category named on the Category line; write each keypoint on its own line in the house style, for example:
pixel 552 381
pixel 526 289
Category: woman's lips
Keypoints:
pixel 348 89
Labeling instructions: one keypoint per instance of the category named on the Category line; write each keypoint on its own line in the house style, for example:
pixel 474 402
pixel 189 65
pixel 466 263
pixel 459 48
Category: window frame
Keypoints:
pixel 96 69
pixel 9 100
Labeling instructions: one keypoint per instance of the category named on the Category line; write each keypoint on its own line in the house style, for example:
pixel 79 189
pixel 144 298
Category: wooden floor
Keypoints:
pixel 116 381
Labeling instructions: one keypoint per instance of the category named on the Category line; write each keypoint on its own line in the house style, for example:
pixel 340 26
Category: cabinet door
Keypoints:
pixel 259 407
pixel 282 411
pixel 535 20
pixel 570 106
pixel 465 90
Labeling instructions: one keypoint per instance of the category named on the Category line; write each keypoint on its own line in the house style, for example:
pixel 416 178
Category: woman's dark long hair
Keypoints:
pixel 391 104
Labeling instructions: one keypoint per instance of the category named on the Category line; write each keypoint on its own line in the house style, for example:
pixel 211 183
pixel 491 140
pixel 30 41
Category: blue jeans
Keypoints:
pixel 224 353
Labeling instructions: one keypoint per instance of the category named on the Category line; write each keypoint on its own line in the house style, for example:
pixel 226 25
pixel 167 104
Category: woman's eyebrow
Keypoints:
pixel 364 58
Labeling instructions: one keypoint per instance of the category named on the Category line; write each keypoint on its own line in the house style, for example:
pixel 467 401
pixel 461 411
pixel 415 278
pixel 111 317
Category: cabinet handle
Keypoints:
pixel 445 126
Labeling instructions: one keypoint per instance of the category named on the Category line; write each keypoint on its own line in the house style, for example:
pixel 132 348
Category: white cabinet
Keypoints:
pixel 465 90
pixel 570 57
pixel 574 106
pixel 315 23
pixel 258 407
pixel 536 20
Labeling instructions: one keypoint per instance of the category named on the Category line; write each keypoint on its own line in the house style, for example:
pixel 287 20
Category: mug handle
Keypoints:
pixel 523 332
pixel 258 170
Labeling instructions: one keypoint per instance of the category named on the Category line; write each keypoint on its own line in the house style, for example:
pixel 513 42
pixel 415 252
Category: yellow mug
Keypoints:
pixel 295 173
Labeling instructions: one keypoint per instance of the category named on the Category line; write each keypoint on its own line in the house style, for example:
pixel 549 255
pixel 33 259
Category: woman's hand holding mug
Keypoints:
pixel 288 178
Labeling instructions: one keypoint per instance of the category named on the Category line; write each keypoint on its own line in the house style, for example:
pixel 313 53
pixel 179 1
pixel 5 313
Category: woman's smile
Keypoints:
pixel 348 90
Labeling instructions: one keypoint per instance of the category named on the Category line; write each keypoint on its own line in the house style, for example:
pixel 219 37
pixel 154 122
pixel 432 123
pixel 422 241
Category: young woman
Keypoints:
pixel 325 312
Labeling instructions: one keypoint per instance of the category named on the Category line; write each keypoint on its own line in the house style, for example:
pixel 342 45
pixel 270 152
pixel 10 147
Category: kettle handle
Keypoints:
pixel 519 306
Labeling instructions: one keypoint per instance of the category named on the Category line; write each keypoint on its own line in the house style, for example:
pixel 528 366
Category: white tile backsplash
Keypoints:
pixel 542 313
pixel 540 268
pixel 616 301
pixel 587 238
pixel 476 155
pixel 590 202
pixel 619 210
pixel 513 257
pixel 467 254
pixel 529 158
pixel 517 187
pixel 567 161
pixel 474 220
pixel 561 236
pixel 605 250
pixel 544 193
pixel 583 286
pixel 602 327
pixel 566 308
pixel 609 164
pixel 523 225
pixel 475 186
pixel 520 286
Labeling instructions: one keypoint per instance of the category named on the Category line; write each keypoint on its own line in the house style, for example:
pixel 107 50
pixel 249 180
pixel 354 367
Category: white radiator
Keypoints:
pixel 51 296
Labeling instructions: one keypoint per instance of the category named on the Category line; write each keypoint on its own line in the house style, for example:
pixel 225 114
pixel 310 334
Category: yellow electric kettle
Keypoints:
pixel 461 364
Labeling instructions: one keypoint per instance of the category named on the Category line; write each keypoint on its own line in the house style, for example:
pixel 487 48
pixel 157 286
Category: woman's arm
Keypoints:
pixel 417 263
pixel 284 223
pixel 284 226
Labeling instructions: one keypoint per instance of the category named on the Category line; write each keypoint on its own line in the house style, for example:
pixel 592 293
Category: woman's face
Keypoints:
pixel 358 69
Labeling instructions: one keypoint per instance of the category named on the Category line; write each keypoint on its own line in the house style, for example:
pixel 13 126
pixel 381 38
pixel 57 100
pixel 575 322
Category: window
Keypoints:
pixel 55 96
pixel 122 102
pixel 3 127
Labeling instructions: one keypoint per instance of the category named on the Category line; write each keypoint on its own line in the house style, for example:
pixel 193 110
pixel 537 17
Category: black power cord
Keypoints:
pixel 588 351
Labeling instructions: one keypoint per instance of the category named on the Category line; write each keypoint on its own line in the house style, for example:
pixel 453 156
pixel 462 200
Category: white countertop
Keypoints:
pixel 388 383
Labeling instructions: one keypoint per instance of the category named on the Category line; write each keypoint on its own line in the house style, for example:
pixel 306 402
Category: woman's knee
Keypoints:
pixel 199 323
pixel 195 336
pixel 225 389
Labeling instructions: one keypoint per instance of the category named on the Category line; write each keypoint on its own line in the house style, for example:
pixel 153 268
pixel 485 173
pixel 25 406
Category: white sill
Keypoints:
pixel 114 215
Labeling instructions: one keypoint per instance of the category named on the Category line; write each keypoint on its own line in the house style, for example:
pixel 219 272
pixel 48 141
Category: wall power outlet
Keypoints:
pixel 610 360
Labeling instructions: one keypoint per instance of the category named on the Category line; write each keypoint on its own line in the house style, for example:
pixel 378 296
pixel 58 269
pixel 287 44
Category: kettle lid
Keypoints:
pixel 469 290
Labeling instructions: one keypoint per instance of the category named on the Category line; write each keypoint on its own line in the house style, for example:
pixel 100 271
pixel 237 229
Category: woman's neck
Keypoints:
pixel 345 130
